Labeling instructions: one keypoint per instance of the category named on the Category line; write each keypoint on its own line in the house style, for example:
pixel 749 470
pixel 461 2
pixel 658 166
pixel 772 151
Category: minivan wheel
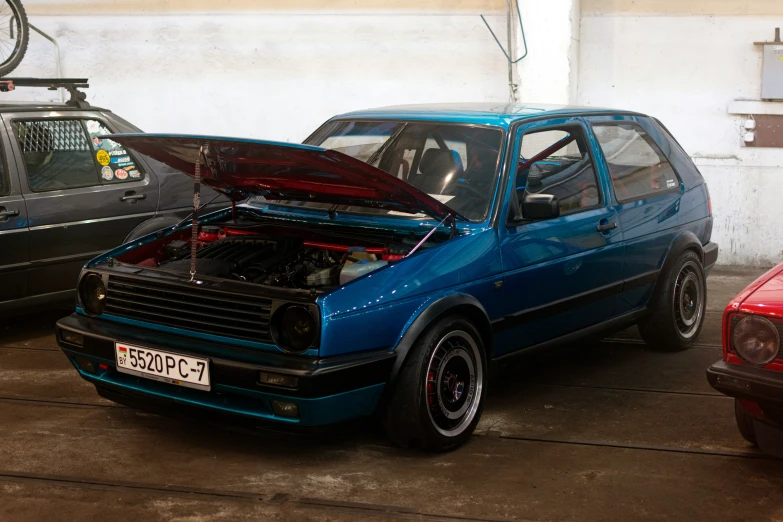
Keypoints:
pixel 678 311
pixel 438 396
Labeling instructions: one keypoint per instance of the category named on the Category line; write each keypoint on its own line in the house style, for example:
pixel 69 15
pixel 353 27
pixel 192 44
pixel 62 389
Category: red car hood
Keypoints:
pixel 240 168
pixel 765 295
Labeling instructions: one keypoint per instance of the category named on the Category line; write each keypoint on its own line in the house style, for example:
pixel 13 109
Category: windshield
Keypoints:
pixel 455 164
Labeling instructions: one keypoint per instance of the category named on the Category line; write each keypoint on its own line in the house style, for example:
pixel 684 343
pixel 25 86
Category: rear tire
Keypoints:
pixel 744 423
pixel 437 399
pixel 678 309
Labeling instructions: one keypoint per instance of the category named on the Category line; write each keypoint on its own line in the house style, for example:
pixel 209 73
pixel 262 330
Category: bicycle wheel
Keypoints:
pixel 14 35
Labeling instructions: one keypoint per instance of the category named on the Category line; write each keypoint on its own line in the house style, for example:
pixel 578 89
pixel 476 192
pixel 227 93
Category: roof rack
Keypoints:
pixel 78 99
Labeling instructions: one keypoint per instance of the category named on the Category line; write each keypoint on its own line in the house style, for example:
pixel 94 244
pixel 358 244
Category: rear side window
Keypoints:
pixel 62 154
pixel 558 162
pixel 637 166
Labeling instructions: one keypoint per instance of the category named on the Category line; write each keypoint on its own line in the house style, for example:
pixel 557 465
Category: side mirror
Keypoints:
pixel 540 206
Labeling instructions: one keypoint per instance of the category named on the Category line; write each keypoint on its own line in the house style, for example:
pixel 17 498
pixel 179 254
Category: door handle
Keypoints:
pixel 133 197
pixel 606 226
pixel 5 214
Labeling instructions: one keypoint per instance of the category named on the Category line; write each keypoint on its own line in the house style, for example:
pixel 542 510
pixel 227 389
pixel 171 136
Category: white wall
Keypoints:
pixel 169 66
pixel 547 73
pixel 274 75
pixel 686 68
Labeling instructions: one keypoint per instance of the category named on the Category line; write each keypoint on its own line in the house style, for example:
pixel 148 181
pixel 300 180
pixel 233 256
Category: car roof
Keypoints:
pixel 486 113
pixel 19 106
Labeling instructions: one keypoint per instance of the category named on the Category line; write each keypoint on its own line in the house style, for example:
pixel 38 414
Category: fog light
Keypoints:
pixel 85 364
pixel 72 338
pixel 285 409
pixel 276 379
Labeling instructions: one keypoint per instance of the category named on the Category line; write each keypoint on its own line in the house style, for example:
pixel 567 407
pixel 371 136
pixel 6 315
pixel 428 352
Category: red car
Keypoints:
pixel 752 367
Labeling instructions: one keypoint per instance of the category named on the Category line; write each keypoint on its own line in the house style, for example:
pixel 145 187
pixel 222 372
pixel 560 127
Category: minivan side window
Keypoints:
pixel 63 154
pixel 637 166
pixel 558 162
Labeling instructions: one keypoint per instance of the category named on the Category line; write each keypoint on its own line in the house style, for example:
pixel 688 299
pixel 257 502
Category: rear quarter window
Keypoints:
pixel 679 158
pixel 637 166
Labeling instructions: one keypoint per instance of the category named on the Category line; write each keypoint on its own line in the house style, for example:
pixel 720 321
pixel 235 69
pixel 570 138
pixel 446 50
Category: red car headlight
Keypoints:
pixel 756 340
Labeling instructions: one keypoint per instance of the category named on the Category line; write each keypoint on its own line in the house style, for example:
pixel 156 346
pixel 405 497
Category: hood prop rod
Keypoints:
pixel 194 225
pixel 425 238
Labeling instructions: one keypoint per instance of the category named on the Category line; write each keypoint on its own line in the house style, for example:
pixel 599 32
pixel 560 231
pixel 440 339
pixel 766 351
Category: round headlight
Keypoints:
pixel 294 328
pixel 92 293
pixel 756 340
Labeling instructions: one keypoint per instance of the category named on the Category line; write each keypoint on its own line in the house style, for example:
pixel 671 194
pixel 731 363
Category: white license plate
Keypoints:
pixel 173 368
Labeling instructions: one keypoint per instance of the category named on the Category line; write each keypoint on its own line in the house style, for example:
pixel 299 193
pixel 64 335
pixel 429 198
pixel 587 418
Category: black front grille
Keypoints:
pixel 737 317
pixel 197 309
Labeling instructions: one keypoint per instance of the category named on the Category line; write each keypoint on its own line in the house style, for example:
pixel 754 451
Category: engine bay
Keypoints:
pixel 258 256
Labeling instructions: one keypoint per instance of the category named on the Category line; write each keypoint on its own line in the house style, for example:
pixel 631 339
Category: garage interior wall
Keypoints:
pixel 685 62
pixel 274 73
pixel 260 69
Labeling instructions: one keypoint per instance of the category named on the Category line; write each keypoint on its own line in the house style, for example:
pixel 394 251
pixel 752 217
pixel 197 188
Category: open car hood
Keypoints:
pixel 240 168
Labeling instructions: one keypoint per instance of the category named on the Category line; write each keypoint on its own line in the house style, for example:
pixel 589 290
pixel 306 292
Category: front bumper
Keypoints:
pixel 760 386
pixel 329 390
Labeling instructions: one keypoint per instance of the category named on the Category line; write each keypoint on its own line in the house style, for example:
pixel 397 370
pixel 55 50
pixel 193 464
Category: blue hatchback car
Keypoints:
pixel 385 264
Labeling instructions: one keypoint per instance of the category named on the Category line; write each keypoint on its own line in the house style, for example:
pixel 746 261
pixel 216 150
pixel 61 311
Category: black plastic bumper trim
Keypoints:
pixel 710 254
pixel 318 377
pixel 747 382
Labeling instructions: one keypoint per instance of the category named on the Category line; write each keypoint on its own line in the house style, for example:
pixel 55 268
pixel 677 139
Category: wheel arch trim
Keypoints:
pixel 686 240
pixel 463 304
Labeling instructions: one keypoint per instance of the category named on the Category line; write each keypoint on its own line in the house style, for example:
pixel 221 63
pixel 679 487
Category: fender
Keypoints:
pixel 687 240
pixel 466 303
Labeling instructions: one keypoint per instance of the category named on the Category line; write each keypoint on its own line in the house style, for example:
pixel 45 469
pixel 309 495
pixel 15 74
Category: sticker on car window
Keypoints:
pixel 93 127
pixel 107 173
pixel 112 154
pixel 121 159
pixel 103 157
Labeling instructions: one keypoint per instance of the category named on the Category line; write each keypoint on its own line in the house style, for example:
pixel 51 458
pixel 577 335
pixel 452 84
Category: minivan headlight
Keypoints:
pixel 92 294
pixel 756 340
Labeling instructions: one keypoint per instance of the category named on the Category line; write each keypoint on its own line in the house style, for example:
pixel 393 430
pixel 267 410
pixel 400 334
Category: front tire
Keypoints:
pixel 438 397
pixel 678 311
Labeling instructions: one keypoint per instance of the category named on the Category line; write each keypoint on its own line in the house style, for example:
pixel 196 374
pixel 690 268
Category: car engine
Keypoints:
pixel 279 261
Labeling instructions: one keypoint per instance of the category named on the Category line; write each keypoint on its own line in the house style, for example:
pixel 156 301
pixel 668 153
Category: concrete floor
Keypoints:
pixel 608 431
